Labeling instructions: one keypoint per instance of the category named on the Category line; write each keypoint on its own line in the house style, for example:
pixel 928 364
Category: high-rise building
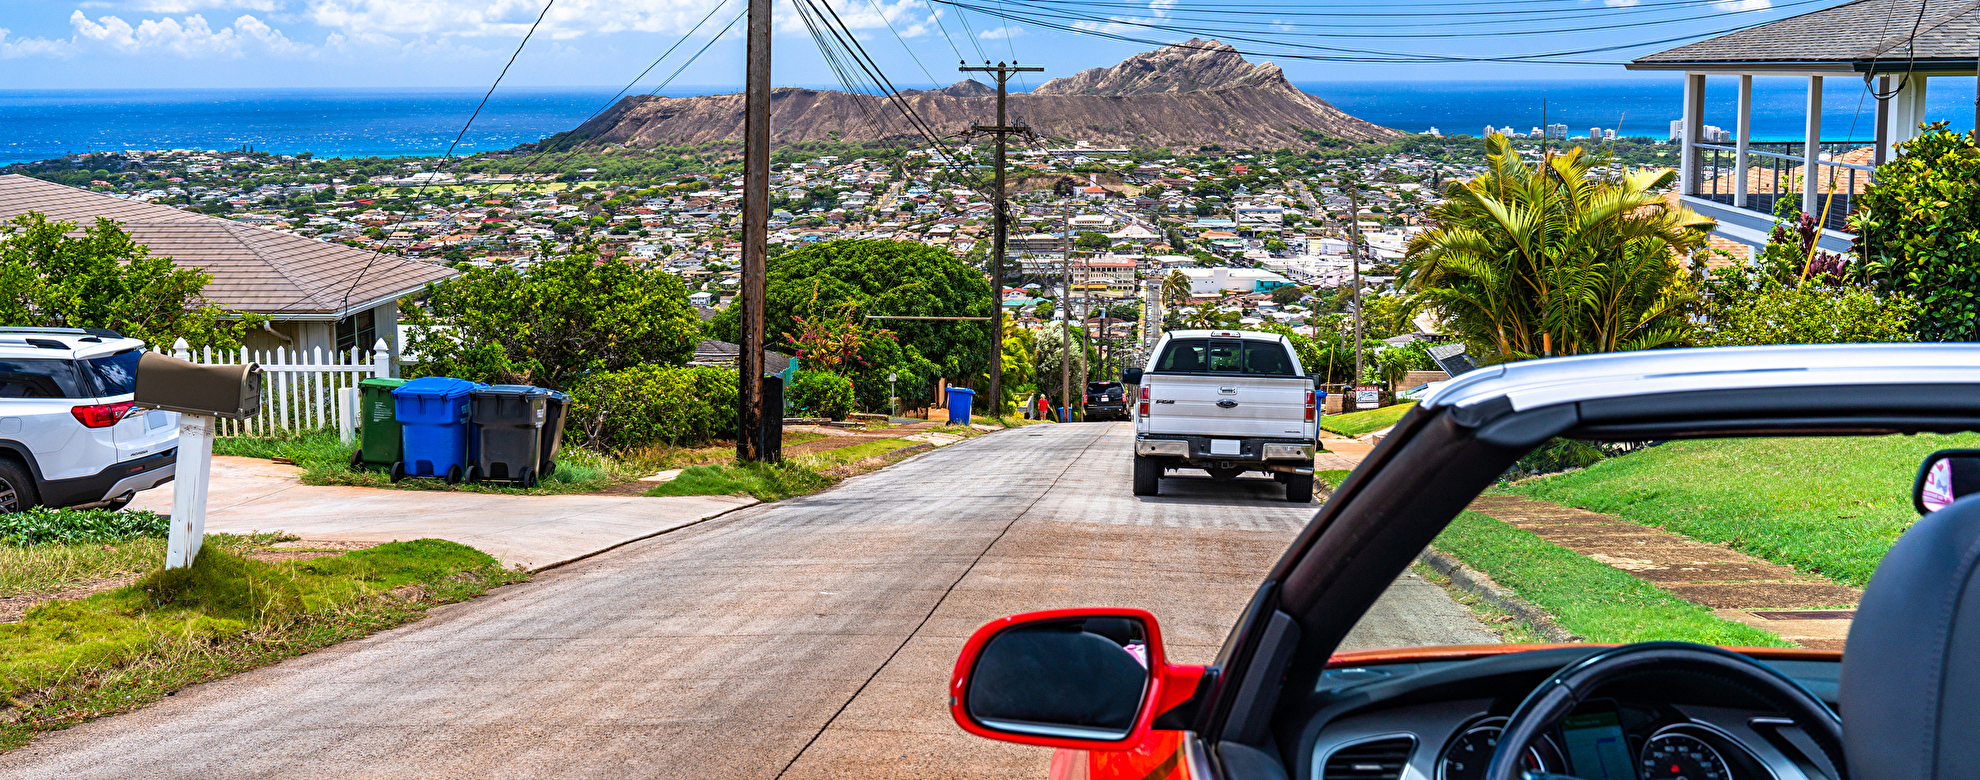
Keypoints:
pixel 1489 130
pixel 1557 131
pixel 1677 129
pixel 1535 133
pixel 1434 134
pixel 1608 135
pixel 1595 134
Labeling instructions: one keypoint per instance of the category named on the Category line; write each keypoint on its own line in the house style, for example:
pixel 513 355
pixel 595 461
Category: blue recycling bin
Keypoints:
pixel 959 402
pixel 433 415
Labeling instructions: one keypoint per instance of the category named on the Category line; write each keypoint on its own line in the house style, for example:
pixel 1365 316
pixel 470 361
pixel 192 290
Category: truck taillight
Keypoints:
pixel 1144 400
pixel 1309 406
pixel 101 415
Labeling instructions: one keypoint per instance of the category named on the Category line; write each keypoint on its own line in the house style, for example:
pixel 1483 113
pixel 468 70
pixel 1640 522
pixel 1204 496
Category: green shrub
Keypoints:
pixel 819 394
pixel 42 525
pixel 1919 232
pixel 647 405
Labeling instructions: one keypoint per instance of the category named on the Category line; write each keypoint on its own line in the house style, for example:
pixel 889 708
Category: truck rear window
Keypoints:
pixel 1225 356
pixel 40 378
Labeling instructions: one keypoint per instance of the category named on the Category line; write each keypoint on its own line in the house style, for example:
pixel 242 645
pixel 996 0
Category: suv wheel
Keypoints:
pixel 17 491
pixel 1147 476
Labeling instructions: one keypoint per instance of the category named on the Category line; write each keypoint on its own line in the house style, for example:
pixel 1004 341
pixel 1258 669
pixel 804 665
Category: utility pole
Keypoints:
pixel 1065 316
pixel 755 238
pixel 1354 260
pixel 1000 227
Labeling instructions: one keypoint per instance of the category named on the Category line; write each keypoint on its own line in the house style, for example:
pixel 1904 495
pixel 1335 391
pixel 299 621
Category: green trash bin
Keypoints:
pixel 379 442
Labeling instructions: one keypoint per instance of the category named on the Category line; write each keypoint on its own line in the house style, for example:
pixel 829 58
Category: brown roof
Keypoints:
pixel 254 269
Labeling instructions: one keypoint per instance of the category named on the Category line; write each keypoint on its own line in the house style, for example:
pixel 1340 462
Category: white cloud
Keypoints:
pixel 188 36
pixel 577 18
pixel 1620 3
pixel 1743 5
pixel 183 6
pixel 1000 32
pixel 32 47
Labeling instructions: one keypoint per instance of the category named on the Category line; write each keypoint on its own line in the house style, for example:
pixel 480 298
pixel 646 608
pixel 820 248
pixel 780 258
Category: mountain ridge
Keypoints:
pixel 1198 93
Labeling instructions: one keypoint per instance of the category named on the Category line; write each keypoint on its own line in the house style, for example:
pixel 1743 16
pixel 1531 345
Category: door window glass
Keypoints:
pixel 35 378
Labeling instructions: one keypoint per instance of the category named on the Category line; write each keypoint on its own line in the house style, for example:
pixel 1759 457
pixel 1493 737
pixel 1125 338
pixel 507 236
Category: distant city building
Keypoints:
pixel 1594 134
pixel 1434 134
pixel 1711 133
pixel 1608 135
pixel 1536 132
pixel 1557 131
pixel 1489 130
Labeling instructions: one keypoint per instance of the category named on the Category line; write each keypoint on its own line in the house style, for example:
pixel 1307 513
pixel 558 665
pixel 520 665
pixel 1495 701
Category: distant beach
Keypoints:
pixel 43 124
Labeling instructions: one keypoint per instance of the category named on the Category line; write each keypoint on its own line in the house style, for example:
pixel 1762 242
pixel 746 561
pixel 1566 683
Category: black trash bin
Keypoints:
pixel 508 426
pixel 554 405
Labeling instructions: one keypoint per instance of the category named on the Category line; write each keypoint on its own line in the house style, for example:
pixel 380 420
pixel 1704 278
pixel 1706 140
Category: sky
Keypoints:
pixel 70 44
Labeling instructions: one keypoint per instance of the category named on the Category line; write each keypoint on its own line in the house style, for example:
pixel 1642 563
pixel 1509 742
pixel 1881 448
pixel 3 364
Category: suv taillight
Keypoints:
pixel 101 415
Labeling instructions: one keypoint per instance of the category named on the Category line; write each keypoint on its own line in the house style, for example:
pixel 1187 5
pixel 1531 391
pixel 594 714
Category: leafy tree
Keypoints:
pixel 104 279
pixel 820 394
pixel 1049 348
pixel 1793 293
pixel 1176 287
pixel 1286 294
pixel 1091 240
pixel 551 325
pixel 1020 364
pixel 1275 245
pixel 1918 232
pixel 1530 261
pixel 881 277
pixel 1043 310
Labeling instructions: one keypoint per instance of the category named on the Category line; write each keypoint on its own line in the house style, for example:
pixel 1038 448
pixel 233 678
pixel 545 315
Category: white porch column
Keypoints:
pixel 1690 175
pixel 1745 136
pixel 1883 146
pixel 1811 152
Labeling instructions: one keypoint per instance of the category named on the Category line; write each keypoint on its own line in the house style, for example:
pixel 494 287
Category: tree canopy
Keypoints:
pixel 104 279
pixel 1919 232
pixel 553 324
pixel 1537 260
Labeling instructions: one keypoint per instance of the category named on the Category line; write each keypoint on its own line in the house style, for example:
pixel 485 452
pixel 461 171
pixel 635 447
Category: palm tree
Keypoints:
pixel 1175 287
pixel 1542 260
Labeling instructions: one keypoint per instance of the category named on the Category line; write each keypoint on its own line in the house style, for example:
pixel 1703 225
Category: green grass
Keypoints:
pixel 54 567
pixel 1355 424
pixel 326 461
pixel 765 481
pixel 1831 506
pixel 69 661
pixel 1331 477
pixel 854 452
pixel 42 525
pixel 1593 600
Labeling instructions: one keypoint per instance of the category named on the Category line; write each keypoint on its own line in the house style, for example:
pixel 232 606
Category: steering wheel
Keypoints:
pixel 1565 690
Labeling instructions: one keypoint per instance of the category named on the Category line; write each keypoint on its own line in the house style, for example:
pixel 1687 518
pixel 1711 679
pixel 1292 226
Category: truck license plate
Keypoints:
pixel 1224 446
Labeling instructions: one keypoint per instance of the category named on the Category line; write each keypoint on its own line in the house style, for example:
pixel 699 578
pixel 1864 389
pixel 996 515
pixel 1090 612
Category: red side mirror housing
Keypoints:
pixel 1084 679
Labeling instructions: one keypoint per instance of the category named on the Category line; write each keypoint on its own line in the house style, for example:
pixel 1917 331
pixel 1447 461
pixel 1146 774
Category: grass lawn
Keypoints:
pixel 1355 424
pixel 1595 601
pixel 69 661
pixel 796 476
pixel 1832 506
pixel 1332 478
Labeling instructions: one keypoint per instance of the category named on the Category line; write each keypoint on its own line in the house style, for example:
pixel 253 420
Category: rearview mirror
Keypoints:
pixel 1092 679
pixel 1130 376
pixel 1946 476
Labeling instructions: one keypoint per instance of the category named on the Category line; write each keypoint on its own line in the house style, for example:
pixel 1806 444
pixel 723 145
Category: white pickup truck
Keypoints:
pixel 1227 402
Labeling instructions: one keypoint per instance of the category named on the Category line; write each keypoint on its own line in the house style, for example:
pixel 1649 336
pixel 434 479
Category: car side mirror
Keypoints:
pixel 1087 679
pixel 1130 376
pixel 1946 476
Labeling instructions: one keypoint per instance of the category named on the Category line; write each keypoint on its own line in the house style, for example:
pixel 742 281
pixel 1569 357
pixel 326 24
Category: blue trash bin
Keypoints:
pixel 433 414
pixel 959 401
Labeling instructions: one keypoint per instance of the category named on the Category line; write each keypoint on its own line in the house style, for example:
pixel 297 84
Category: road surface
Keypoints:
pixel 811 638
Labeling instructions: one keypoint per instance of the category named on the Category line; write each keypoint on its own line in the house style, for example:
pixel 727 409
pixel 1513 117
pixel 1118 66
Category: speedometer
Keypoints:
pixel 1465 758
pixel 1682 757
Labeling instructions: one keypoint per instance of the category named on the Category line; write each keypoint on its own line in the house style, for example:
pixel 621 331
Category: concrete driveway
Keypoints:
pixel 811 638
pixel 534 532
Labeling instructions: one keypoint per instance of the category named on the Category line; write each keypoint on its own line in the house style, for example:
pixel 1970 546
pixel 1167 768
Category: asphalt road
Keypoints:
pixel 811 638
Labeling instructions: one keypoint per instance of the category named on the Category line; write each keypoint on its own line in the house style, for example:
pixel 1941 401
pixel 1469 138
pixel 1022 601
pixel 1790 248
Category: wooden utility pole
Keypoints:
pixel 1065 316
pixel 1354 260
pixel 1000 226
pixel 755 237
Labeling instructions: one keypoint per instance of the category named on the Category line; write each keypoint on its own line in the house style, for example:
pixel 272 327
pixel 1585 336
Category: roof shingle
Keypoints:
pixel 1861 34
pixel 254 269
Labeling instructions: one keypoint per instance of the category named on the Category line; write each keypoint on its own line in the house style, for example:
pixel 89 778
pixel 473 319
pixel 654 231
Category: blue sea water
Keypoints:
pixel 42 124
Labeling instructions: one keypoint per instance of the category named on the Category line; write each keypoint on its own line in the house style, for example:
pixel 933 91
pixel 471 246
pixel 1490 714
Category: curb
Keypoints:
pixel 1477 584
pixel 642 538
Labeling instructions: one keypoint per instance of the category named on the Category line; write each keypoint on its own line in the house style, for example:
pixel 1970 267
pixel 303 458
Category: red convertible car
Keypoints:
pixel 1282 700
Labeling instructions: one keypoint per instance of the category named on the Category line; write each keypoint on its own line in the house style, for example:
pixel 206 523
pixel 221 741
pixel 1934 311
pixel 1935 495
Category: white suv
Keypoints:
pixel 69 435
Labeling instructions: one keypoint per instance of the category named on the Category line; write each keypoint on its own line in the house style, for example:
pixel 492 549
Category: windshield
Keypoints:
pixel 1764 542
pixel 1225 356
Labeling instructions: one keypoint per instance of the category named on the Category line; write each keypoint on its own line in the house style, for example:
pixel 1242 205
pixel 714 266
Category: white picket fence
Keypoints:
pixel 300 390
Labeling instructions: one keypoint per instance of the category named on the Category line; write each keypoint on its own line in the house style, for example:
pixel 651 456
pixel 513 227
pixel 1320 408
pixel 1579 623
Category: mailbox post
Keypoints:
pixel 201 395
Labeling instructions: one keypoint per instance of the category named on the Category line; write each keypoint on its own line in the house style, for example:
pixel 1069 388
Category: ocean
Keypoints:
pixel 43 124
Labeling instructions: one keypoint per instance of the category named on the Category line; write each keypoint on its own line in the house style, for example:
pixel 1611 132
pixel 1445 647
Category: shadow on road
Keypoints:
pixel 1190 486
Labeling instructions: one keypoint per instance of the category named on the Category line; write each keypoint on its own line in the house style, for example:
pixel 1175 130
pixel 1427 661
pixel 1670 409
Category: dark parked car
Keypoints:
pixel 1291 695
pixel 1106 401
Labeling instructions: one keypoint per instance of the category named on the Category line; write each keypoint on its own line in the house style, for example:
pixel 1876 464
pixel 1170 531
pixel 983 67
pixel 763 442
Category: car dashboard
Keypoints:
pixel 1439 719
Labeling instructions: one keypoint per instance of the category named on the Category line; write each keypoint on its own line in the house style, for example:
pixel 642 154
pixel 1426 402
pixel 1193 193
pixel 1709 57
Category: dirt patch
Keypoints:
pixel 1735 585
pixel 13 608
pixel 821 445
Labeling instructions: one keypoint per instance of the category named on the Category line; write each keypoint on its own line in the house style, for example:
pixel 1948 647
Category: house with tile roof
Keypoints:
pixel 315 293
pixel 1896 47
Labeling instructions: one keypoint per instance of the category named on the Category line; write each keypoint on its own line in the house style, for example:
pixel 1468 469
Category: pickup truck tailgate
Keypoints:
pixel 1233 406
